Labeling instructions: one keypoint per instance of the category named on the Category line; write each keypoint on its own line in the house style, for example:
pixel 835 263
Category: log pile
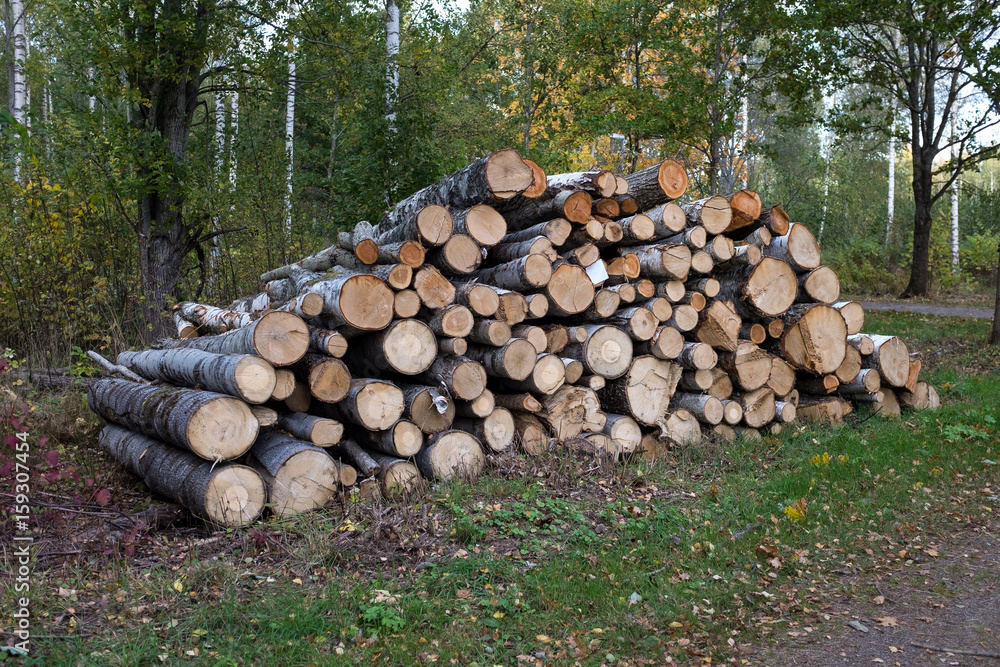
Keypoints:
pixel 501 309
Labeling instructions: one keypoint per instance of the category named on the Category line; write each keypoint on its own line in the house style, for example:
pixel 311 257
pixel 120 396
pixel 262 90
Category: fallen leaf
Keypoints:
pixel 888 621
pixel 879 599
pixel 893 649
pixel 463 593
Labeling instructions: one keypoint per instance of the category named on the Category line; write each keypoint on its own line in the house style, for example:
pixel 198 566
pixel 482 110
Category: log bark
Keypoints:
pixel 453 346
pixel 319 431
pixel 714 213
pixel 818 386
pixel 247 377
pixel 670 261
pixel 695 381
pixel 212 320
pixel 300 476
pixel 658 184
pixel 507 252
pixel 213 426
pixel 867 381
pixel 693 237
pixel 361 460
pixel 185 329
pixel 643 392
pixel 450 455
pixel 279 338
pixel 831 410
pixel 707 409
pixel 637 228
pixel 775 220
pixel 362 301
pixel 798 248
pixel 518 402
pixel 569 205
pixel 596 181
pixel 464 378
pixel 328 342
pixel 227 495
pixel 527 273
pixel 494 178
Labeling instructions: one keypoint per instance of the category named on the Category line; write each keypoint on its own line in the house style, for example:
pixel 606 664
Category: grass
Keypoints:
pixel 559 560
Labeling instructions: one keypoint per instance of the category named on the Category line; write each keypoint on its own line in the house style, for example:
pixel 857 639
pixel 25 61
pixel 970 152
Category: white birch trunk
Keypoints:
pixel 290 133
pixel 16 20
pixel 892 173
pixel 954 198
pixel 92 100
pixel 220 134
pixel 392 61
pixel 230 145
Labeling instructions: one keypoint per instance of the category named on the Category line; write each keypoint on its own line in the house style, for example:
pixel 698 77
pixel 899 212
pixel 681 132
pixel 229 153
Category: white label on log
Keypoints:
pixel 597 272
pixel 440 401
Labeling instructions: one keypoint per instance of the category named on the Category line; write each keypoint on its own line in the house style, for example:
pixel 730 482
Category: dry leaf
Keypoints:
pixel 879 599
pixel 463 593
pixel 888 621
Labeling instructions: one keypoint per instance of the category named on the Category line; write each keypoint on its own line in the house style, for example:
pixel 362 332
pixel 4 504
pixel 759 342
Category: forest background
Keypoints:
pixel 162 150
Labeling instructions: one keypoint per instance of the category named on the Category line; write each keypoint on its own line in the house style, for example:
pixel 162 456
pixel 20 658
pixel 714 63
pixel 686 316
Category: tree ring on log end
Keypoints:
pixel 222 429
pixel 281 338
pixel 365 303
pixel 235 496
pixel 507 174
pixel 771 287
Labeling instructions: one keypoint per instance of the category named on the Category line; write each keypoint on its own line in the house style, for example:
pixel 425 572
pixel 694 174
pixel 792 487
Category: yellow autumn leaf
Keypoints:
pixel 797 510
pixel 178 586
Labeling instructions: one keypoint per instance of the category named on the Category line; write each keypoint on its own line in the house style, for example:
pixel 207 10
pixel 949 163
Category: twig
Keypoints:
pixel 958 651
pixel 115 368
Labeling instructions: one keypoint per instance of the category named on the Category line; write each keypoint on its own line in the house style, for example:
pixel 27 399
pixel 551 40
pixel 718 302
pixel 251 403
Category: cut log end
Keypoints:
pixel 221 429
pixel 281 338
pixel 507 174
pixel 235 496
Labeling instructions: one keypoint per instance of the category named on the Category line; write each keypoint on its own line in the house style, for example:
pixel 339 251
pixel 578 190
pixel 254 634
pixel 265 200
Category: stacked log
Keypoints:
pixel 501 309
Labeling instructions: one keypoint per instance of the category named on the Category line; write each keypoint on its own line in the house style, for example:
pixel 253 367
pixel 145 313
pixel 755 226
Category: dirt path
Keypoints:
pixel 948 596
pixel 927 309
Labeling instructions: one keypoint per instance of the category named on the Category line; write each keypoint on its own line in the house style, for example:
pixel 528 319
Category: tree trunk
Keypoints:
pixel 431 225
pixel 995 328
pixel 244 376
pixel 319 431
pixel 658 184
pixel 644 392
pixel 373 404
pixel 496 430
pixel 279 338
pixel 328 342
pixel 225 494
pixel 489 180
pixel 464 378
pixel 428 407
pixel 300 476
pixel 449 455
pixel 213 426
pixel 290 135
pixel 480 299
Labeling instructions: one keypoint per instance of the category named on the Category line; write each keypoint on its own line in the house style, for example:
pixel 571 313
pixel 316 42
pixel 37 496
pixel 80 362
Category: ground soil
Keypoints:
pixel 946 597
